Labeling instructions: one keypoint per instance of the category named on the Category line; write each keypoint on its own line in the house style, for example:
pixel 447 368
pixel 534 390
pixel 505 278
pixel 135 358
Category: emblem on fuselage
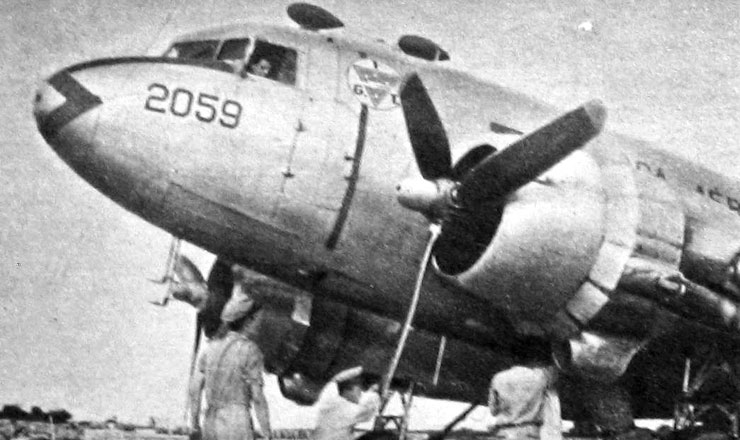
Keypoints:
pixel 374 84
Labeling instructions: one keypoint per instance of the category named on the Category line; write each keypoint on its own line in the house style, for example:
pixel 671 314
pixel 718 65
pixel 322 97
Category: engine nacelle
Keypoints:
pixel 557 256
pixel 530 255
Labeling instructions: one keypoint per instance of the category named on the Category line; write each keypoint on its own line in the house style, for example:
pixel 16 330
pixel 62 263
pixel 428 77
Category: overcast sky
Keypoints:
pixel 76 329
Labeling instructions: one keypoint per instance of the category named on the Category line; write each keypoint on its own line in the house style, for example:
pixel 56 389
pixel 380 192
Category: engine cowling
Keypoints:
pixel 528 255
pixel 558 256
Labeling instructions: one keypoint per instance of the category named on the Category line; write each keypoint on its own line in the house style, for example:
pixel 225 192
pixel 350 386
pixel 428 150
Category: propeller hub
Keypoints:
pixel 432 198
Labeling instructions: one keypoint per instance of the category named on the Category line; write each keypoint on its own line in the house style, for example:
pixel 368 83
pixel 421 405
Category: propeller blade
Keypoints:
pixel 188 284
pixel 187 271
pixel 426 132
pixel 220 284
pixel 501 174
pixel 196 344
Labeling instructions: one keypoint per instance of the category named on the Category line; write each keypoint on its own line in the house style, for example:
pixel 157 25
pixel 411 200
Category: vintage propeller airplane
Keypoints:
pixel 308 154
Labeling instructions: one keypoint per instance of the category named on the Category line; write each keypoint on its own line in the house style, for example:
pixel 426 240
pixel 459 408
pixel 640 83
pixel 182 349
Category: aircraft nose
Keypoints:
pixel 45 102
pixel 58 101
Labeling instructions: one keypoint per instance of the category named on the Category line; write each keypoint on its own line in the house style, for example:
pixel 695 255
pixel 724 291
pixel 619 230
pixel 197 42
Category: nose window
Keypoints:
pixel 234 53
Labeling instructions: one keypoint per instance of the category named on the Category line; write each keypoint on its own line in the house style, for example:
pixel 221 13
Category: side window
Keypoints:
pixel 234 53
pixel 274 62
pixel 193 50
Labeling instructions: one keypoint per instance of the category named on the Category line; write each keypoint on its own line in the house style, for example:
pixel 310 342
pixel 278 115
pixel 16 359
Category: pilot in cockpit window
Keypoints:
pixel 262 68
pixel 274 62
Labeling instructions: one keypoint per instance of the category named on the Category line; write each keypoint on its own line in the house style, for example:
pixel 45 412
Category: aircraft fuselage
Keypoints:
pixel 298 180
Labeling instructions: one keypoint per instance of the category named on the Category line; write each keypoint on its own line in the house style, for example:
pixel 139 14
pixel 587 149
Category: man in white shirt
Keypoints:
pixel 343 404
pixel 524 402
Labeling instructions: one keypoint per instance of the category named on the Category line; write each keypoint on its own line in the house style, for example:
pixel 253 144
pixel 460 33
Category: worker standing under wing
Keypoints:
pixel 343 404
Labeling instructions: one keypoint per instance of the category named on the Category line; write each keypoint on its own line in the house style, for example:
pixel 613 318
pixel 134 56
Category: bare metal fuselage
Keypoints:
pixel 299 182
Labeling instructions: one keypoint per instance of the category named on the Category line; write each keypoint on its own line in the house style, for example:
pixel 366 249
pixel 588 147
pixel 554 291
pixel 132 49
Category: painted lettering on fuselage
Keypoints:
pixel 714 193
pixel 656 171
pixel 183 103
pixel 710 191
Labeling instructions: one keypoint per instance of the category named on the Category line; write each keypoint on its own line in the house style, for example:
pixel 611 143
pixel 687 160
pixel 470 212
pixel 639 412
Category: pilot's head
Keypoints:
pixel 261 67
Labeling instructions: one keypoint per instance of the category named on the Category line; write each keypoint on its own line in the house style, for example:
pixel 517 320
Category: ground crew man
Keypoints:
pixel 230 374
pixel 343 404
pixel 525 403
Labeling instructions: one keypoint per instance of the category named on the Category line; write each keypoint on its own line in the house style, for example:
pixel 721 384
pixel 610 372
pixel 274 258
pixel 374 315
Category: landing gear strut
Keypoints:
pixel 709 406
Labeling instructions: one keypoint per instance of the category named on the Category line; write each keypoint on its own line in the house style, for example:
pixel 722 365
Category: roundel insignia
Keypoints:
pixel 374 84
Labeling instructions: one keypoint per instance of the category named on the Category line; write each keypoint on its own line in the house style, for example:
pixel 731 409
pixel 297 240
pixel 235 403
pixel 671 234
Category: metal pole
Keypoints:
pixel 440 356
pixel 406 410
pixel 434 230
pixel 450 426
pixel 686 375
pixel 51 428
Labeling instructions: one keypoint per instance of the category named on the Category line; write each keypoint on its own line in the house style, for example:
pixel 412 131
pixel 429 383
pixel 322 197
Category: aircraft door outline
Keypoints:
pixel 317 171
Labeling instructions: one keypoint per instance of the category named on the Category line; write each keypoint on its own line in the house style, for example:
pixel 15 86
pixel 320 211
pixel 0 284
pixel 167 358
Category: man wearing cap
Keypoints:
pixel 343 404
pixel 230 375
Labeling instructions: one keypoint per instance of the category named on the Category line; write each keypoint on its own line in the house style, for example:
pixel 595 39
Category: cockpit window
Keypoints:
pixel 273 62
pixel 234 53
pixel 234 49
pixel 267 60
pixel 193 50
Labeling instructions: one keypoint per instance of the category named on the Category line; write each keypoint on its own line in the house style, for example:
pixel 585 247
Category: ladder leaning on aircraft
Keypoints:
pixel 621 257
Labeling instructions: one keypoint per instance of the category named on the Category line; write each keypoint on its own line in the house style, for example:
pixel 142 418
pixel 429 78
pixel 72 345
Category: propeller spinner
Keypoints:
pixel 495 176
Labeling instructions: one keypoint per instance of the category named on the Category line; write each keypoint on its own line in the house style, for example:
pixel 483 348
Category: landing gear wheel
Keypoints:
pixel 683 416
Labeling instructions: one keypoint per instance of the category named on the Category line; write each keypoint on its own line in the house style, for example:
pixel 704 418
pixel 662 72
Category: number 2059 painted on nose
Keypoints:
pixel 182 101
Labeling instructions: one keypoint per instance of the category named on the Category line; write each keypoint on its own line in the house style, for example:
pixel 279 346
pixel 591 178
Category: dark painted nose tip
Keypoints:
pixel 45 101
pixel 58 101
